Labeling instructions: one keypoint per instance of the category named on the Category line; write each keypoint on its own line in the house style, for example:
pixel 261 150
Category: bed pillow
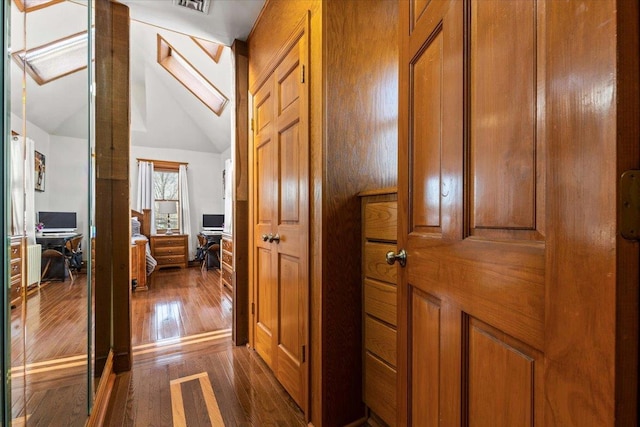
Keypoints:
pixel 135 226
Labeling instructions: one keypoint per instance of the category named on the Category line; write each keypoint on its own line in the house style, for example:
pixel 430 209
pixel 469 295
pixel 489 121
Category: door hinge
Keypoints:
pixel 253 308
pixel 630 205
pixel 302 74
pixel 304 353
pixel 252 125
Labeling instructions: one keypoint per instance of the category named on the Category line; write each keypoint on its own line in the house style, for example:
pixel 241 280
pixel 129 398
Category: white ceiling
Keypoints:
pixel 163 112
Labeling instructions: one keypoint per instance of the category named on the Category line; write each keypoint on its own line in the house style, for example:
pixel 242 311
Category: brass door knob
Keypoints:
pixel 265 237
pixel 401 257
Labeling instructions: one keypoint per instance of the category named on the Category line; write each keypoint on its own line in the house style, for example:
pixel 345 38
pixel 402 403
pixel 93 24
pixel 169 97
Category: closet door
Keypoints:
pixel 281 212
pixel 265 212
pixel 509 303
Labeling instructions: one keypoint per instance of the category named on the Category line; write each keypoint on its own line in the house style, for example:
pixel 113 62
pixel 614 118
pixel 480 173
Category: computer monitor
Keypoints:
pixel 212 221
pixel 57 222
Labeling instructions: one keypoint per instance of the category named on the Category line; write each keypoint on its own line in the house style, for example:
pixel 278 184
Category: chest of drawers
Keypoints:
pixel 170 251
pixel 227 262
pixel 379 317
pixel 16 271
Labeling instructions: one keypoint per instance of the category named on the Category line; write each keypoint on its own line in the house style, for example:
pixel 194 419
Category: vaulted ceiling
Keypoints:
pixel 163 112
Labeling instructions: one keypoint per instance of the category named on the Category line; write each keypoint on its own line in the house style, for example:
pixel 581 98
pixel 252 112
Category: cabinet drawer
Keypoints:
pixel 226 274
pixel 15 267
pixel 227 245
pixel 380 388
pixel 380 300
pixel 168 259
pixel 170 250
pixel 380 339
pixel 227 258
pixel 15 251
pixel 375 262
pixel 168 241
pixel 380 221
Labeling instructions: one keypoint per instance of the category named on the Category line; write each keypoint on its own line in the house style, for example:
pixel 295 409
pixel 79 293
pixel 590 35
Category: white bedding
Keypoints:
pixel 151 261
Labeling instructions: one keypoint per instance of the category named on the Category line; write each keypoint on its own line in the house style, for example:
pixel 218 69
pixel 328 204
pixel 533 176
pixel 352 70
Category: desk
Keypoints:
pixel 56 241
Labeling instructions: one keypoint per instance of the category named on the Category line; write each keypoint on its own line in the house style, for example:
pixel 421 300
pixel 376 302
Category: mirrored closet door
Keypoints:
pixel 49 154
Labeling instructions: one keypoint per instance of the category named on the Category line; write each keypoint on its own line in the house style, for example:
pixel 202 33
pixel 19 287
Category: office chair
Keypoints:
pixel 50 258
pixel 73 253
pixel 201 253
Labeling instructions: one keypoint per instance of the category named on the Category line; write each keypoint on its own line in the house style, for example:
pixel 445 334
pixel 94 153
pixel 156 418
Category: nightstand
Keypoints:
pixel 170 250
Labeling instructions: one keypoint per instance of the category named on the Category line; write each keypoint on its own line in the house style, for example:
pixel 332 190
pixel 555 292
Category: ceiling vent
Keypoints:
pixel 195 5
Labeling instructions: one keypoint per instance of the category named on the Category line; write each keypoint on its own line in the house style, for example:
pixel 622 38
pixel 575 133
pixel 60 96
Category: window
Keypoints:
pixel 166 196
pixel 54 60
pixel 190 77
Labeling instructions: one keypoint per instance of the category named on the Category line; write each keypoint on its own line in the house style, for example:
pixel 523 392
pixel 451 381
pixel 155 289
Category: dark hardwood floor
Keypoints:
pixel 186 370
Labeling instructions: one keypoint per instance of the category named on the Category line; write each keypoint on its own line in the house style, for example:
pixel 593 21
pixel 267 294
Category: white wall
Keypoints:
pixel 204 173
pixel 66 175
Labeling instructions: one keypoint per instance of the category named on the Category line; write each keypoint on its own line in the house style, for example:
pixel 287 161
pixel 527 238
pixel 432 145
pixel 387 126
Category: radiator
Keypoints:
pixel 34 257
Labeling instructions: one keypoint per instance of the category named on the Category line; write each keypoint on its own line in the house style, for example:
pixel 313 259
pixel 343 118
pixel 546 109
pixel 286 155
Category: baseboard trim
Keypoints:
pixel 103 394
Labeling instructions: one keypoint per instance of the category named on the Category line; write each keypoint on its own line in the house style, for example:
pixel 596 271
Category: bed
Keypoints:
pixel 142 263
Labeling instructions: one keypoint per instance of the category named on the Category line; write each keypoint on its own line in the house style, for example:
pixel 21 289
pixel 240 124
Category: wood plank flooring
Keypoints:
pixel 181 336
pixel 175 380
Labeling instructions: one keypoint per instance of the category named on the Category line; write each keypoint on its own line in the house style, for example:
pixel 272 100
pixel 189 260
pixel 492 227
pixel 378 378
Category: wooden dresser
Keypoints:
pixel 226 252
pixel 170 251
pixel 379 318
pixel 15 293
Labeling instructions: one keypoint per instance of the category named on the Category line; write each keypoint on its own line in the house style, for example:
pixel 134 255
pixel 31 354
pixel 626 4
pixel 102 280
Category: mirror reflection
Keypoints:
pixel 50 212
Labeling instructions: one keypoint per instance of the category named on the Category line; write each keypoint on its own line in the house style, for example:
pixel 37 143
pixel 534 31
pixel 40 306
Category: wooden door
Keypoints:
pixel 281 236
pixel 479 320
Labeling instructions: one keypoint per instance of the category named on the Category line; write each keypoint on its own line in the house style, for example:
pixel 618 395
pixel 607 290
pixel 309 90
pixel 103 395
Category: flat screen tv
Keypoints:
pixel 212 222
pixel 57 222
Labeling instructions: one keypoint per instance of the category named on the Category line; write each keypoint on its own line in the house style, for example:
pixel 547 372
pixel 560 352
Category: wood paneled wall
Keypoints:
pixel 361 105
pixel 353 126
pixel 112 288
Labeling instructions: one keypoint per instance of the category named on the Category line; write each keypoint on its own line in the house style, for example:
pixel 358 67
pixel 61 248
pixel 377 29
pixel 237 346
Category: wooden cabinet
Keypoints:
pixel 170 251
pixel 226 258
pixel 15 293
pixel 379 318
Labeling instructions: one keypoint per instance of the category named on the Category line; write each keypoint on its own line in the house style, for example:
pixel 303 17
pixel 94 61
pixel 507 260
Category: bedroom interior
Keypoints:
pixel 54 116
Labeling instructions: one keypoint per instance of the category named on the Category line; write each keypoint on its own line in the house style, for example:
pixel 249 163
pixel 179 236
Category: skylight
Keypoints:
pixel 214 50
pixel 54 60
pixel 190 77
pixel 31 5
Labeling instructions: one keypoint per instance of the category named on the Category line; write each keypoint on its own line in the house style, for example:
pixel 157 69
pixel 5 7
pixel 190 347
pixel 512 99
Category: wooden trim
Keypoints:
pixel 21 7
pixel 213 55
pixel 240 289
pixel 164 164
pixel 378 192
pixel 296 34
pixel 103 394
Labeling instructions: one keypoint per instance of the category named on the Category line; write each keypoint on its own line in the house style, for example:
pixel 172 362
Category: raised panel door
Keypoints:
pixel 471 299
pixel 281 227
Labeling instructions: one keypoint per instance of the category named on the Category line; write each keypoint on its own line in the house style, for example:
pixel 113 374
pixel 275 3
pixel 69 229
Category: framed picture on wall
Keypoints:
pixel 40 168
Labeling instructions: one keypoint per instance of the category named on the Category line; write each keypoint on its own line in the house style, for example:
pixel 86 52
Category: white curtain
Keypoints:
pixel 145 191
pixel 185 211
pixel 23 212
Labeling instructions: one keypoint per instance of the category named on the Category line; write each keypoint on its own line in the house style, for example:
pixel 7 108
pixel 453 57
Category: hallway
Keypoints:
pixel 197 377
